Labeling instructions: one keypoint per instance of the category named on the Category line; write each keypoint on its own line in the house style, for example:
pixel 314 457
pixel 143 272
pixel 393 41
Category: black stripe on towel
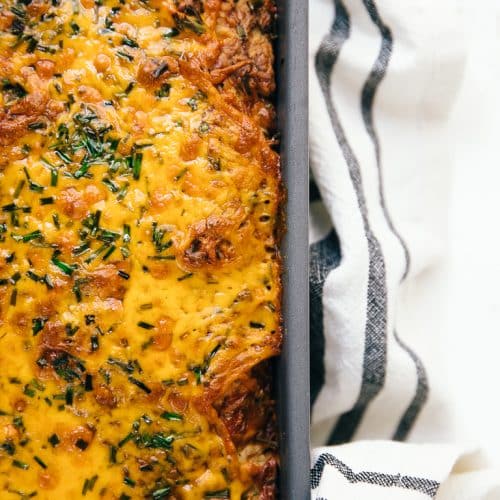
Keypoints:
pixel 324 256
pixel 375 353
pixel 421 394
pixel 367 98
pixel 428 487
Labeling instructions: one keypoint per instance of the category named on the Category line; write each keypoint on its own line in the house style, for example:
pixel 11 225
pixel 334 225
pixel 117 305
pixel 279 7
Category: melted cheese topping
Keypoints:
pixel 139 274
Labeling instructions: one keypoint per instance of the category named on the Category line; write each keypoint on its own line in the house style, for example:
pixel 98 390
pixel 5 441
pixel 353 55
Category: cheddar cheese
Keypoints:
pixel 140 288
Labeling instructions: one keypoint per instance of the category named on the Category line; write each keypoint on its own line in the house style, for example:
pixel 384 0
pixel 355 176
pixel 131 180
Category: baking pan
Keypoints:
pixel 293 364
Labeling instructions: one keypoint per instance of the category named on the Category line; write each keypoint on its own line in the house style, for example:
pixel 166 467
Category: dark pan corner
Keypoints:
pixel 293 364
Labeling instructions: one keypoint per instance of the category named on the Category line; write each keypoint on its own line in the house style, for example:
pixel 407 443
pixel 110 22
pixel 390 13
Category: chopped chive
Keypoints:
pixel 125 367
pixel 65 268
pixel 54 440
pixel 81 444
pixel 70 329
pixel 35 235
pixel 123 192
pixel 163 91
pixel 19 188
pixel 112 186
pixel 31 275
pixel 125 55
pixel 49 200
pixel 77 292
pixel 137 165
pixel 68 395
pixel 88 383
pixel 147 419
pixel 37 325
pixel 94 343
pixel 111 249
pixel 88 484
pixel 144 307
pixel 13 297
pixel 129 88
pixel 198 373
pixel 10 207
pixel 20 465
pixel 40 462
pixel 80 250
pixel 112 454
pixel 55 219
pixel 46 162
pixel 139 384
pixel 15 277
pixel 130 43
pixel 109 236
pixel 218 494
pixel 37 125
pixel 126 233
pixel 48 282
pixel 146 326
pixel 82 170
pixel 95 222
pixel 28 391
pixel 96 253
pixel 123 275
pixel 171 416
pixel 160 493
pixel 129 481
pixel 185 277
pixel 75 28
pixel 255 324
pixel 204 127
pixel 125 440
pixel 53 177
pixel 192 22
pixel 63 156
pixel 34 186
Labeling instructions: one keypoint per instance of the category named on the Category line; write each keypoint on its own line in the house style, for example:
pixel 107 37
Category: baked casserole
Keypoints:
pixel 140 288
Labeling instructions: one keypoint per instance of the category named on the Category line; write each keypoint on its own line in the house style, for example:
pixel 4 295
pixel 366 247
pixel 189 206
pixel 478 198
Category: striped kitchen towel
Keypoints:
pixel 384 75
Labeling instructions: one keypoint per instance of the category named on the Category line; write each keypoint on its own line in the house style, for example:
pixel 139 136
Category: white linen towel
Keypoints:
pixel 383 78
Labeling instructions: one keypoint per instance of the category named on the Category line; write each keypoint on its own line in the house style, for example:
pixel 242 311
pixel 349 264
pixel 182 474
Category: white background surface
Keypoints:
pixel 474 264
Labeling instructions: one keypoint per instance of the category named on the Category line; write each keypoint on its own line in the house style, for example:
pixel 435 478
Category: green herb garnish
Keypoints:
pixel 168 415
pixel 20 465
pixel 140 384
pixel 65 268
pixel 40 462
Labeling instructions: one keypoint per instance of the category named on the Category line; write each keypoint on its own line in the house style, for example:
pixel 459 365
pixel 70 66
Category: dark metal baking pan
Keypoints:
pixel 293 364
